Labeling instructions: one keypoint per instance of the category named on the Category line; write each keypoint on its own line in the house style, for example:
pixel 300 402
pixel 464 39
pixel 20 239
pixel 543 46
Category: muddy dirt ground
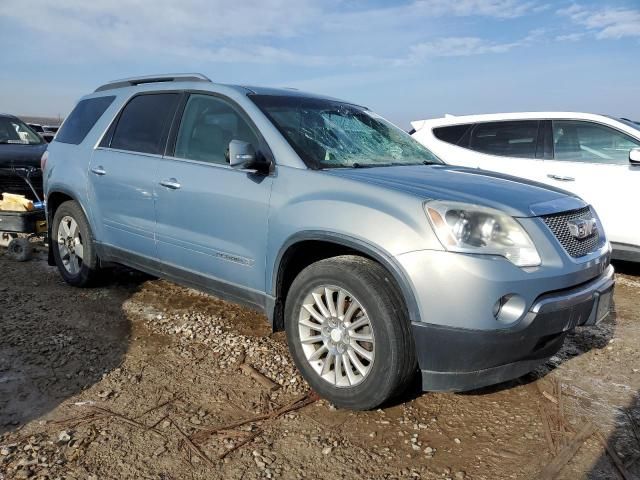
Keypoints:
pixel 130 380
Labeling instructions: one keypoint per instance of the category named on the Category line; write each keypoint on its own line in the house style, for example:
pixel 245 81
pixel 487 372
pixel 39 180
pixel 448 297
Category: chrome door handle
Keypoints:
pixel 99 170
pixel 562 178
pixel 172 183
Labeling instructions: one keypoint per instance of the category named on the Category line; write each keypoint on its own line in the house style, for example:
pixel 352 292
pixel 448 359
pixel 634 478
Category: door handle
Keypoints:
pixel 562 178
pixel 172 183
pixel 99 170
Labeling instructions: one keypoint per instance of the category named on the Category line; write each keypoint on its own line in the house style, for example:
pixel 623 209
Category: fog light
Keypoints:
pixel 509 308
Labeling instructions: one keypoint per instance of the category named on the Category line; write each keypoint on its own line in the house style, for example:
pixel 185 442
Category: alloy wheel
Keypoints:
pixel 337 336
pixel 70 245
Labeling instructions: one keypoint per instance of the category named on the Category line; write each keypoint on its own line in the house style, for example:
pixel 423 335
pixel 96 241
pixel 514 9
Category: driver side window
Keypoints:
pixel 580 141
pixel 208 125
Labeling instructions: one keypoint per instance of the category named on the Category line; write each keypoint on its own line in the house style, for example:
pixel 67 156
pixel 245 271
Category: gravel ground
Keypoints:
pixel 129 380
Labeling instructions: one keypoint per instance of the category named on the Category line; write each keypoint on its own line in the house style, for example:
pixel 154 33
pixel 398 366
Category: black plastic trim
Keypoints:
pixel 219 288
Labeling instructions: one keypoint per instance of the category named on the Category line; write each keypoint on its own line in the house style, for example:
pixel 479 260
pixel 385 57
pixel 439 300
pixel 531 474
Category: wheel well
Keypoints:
pixel 299 256
pixel 54 200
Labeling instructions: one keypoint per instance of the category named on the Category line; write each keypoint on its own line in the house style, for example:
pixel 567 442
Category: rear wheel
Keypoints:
pixel 73 246
pixel 348 333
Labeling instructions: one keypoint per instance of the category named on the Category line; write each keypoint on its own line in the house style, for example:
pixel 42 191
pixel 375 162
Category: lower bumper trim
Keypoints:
pixel 463 381
pixel 455 359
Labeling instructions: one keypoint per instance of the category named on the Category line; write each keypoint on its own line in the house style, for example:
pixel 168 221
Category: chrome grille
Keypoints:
pixel 575 247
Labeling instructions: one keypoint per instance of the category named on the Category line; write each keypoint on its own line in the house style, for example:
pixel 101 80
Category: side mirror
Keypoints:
pixel 634 156
pixel 241 154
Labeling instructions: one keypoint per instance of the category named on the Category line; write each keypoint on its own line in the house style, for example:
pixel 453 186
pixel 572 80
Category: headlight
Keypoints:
pixel 462 227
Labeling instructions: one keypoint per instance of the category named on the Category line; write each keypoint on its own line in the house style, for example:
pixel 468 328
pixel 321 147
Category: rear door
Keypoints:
pixel 511 147
pixel 123 170
pixel 592 161
pixel 211 218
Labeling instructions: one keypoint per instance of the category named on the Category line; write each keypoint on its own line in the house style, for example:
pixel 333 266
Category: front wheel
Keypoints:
pixel 73 246
pixel 348 332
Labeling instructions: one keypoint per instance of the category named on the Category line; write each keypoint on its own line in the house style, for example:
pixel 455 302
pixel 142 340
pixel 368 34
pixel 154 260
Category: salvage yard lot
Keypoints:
pixel 130 380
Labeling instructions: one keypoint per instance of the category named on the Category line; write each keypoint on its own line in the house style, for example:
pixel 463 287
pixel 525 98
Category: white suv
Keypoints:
pixel 594 156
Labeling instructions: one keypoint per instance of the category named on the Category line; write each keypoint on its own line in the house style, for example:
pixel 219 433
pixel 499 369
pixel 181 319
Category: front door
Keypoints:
pixel 592 161
pixel 122 174
pixel 212 219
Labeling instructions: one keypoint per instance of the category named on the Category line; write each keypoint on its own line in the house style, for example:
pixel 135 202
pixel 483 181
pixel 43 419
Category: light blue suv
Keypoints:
pixel 378 260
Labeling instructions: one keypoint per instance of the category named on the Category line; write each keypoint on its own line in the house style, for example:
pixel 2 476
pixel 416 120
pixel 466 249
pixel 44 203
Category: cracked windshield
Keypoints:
pixel 331 134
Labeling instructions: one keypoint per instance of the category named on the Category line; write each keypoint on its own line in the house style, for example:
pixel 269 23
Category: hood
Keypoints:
pixel 515 196
pixel 20 155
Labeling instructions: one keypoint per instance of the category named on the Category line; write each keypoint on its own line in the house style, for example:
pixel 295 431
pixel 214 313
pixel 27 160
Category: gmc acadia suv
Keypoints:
pixel 378 260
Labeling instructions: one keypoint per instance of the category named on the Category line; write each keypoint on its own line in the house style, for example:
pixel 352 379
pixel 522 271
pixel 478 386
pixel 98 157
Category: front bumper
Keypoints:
pixel 456 359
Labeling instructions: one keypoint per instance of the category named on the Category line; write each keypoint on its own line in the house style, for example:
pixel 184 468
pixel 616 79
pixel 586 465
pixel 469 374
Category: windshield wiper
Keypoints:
pixel 370 165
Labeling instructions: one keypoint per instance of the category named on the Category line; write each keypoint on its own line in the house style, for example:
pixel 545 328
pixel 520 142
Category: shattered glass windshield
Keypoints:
pixel 332 134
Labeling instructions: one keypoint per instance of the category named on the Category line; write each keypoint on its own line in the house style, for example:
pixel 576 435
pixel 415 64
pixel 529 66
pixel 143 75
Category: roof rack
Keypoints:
pixel 167 77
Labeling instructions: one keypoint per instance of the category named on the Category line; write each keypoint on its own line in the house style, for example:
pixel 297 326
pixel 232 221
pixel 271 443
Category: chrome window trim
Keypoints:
pixel 130 152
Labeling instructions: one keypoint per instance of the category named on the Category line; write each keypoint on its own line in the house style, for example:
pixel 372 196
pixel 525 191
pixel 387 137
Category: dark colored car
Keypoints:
pixel 42 131
pixel 20 152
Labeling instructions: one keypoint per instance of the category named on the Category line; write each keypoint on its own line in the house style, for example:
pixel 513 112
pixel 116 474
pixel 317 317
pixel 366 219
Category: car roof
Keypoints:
pixel 495 117
pixel 197 81
pixel 7 115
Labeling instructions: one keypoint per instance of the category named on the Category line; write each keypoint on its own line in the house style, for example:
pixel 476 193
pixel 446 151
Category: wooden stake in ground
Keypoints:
pixel 259 377
pixel 567 453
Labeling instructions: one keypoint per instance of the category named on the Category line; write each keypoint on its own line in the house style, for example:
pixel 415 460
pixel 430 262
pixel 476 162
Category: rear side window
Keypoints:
pixel 82 119
pixel 506 139
pixel 144 123
pixel 452 134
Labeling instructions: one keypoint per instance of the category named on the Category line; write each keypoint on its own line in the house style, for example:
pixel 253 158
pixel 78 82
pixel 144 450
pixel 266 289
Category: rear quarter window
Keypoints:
pixel 452 134
pixel 82 119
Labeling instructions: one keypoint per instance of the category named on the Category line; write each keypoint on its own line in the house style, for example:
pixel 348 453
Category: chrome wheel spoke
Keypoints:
pixel 328 296
pixel 73 264
pixel 366 354
pixel 361 322
pixel 312 311
pixel 318 353
pixel 351 310
pixel 309 324
pixel 321 306
pixel 79 250
pixel 348 368
pixel 341 379
pixel 326 366
pixel 361 337
pixel 313 339
pixel 342 296
pixel 356 361
pixel 73 228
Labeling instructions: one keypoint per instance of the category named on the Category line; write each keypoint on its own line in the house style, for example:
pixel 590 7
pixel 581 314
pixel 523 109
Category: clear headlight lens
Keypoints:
pixel 462 227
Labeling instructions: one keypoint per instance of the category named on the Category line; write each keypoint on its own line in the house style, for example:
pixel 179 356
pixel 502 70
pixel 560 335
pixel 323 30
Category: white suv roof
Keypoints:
pixel 495 117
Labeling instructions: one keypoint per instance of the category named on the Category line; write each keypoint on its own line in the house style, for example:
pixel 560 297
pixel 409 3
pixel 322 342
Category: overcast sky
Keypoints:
pixel 405 59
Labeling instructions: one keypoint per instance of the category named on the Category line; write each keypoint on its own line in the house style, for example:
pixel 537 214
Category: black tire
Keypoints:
pixel 20 249
pixel 395 360
pixel 88 271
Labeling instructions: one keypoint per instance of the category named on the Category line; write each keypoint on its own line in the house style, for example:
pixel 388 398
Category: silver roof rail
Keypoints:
pixel 165 77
